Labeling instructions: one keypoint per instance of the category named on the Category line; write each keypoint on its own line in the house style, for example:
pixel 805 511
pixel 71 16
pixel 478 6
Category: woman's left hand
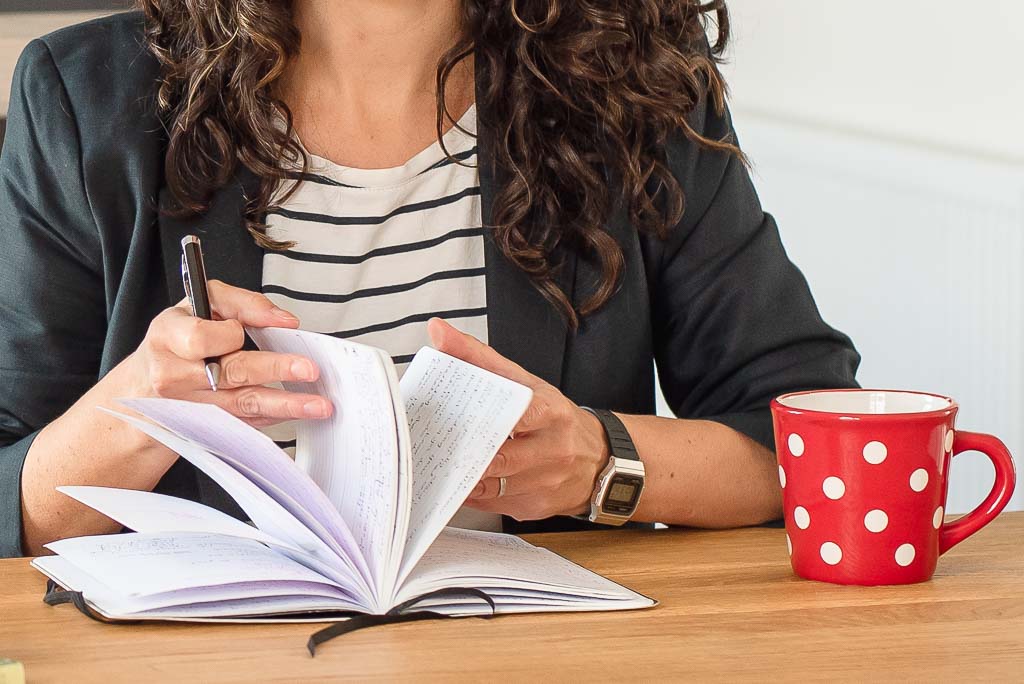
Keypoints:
pixel 557 450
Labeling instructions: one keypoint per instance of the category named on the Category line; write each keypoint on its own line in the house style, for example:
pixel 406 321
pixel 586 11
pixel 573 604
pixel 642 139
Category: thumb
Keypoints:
pixel 448 339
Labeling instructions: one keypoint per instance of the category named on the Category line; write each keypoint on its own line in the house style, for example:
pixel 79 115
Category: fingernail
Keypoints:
pixel 303 370
pixel 478 490
pixel 281 313
pixel 314 409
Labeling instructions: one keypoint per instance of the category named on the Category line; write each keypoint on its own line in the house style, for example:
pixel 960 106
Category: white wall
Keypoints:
pixel 889 143
pixel 939 72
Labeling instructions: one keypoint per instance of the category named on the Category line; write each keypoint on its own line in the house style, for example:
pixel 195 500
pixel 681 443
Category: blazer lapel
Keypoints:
pixel 521 324
pixel 230 253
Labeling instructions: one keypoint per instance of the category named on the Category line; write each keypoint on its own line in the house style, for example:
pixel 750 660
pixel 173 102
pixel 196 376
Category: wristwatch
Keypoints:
pixel 621 483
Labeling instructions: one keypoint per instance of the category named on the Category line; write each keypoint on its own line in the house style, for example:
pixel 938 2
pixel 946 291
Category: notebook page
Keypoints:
pixel 268 515
pixel 111 601
pixel 400 534
pixel 134 565
pixel 459 415
pixel 461 558
pixel 469 606
pixel 151 512
pixel 142 564
pixel 250 451
pixel 353 455
pixel 240 591
pixel 148 512
pixel 251 608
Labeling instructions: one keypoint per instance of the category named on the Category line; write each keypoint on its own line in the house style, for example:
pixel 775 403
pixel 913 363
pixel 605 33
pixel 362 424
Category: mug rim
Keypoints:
pixel 777 404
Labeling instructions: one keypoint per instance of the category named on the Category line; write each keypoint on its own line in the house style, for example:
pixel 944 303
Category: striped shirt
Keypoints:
pixel 378 252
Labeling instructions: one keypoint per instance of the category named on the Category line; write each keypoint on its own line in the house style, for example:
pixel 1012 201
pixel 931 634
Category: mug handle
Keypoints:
pixel 955 532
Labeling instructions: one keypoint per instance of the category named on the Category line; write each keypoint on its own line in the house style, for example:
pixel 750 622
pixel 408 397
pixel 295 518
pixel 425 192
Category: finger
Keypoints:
pixel 524 499
pixel 515 506
pixel 487 489
pixel 268 403
pixel 453 342
pixel 519 455
pixel 248 307
pixel 511 460
pixel 540 413
pixel 188 337
pixel 527 471
pixel 490 487
pixel 533 447
pixel 243 368
pixel 174 377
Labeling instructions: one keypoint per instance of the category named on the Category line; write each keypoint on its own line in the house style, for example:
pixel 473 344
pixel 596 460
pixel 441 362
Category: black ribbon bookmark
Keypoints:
pixel 398 614
pixel 56 595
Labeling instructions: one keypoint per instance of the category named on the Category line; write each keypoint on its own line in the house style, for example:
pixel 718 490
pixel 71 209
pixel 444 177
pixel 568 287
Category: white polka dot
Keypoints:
pixel 949 440
pixel 875 452
pixel 937 518
pixel 801 517
pixel 919 480
pixel 831 553
pixel 796 444
pixel 789 545
pixel 782 477
pixel 834 488
pixel 905 555
pixel 876 520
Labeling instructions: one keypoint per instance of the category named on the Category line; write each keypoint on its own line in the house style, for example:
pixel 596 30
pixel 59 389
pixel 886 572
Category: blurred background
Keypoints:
pixel 888 142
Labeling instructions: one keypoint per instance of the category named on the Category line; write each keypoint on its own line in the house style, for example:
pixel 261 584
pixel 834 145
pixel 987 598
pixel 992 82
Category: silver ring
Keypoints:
pixel 502 483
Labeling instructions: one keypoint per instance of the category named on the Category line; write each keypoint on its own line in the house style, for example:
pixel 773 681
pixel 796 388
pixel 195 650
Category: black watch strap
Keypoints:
pixel 619 441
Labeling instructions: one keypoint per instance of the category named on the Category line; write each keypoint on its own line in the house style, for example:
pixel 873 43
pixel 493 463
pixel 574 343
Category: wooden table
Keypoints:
pixel 730 610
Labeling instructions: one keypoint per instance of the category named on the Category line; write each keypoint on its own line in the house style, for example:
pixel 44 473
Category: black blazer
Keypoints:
pixel 88 259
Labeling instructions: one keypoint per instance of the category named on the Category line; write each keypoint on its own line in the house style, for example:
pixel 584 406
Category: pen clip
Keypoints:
pixel 188 286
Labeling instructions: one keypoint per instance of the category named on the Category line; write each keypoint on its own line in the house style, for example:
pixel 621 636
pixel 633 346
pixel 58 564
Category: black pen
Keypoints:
pixel 193 275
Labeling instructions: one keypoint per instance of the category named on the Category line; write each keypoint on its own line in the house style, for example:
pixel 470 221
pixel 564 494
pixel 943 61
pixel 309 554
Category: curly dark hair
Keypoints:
pixel 577 92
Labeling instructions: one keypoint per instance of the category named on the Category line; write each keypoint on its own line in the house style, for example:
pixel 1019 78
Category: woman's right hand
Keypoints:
pixel 87 447
pixel 169 362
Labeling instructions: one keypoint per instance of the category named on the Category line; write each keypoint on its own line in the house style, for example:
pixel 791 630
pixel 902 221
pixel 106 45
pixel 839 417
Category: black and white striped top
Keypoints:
pixel 381 251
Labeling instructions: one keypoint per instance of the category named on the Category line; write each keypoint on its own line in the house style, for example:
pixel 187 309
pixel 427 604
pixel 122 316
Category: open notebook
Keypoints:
pixel 356 524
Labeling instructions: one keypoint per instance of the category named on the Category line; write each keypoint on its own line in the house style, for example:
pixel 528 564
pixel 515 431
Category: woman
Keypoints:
pixel 588 216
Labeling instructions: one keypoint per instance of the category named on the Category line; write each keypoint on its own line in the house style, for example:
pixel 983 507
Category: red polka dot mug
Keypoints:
pixel 864 476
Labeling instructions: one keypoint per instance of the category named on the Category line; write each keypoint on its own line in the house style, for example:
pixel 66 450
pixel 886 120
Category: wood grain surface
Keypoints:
pixel 730 610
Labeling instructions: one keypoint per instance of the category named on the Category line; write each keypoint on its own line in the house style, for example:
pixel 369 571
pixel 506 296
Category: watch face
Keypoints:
pixel 623 493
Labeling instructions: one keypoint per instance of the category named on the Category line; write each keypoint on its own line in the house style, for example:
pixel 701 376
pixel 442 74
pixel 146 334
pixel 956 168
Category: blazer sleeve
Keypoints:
pixel 52 304
pixel 735 322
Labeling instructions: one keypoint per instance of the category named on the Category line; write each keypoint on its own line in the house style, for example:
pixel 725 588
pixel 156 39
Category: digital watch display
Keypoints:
pixel 621 482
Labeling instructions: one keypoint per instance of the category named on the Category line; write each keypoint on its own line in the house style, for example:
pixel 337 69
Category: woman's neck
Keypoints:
pixel 362 89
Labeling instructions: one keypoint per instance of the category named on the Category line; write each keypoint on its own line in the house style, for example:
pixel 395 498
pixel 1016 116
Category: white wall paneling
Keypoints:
pixel 888 141
pixel 917 255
